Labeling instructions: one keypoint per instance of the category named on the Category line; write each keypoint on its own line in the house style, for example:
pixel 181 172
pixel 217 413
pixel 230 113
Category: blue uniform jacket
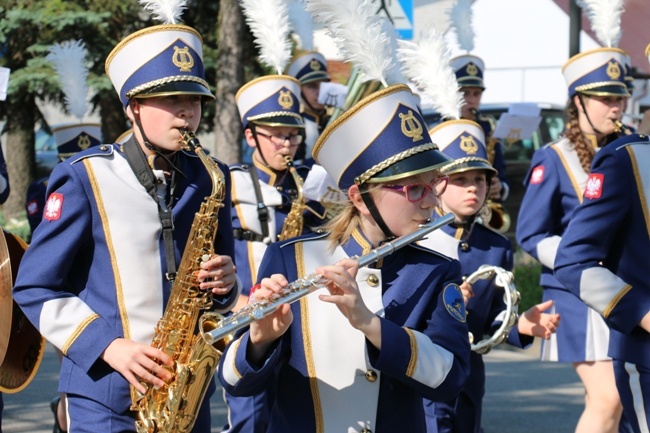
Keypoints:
pixel 277 190
pixel 328 378
pixel 554 186
pixel 603 257
pixel 4 192
pixel 476 245
pixel 94 271
pixel 35 203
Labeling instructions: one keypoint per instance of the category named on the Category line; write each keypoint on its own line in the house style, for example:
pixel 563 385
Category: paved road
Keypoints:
pixel 523 395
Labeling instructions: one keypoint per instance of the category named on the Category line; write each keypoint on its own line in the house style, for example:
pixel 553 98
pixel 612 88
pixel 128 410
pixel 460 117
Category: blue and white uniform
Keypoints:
pixel 328 377
pixel 278 190
pixel 554 186
pixel 95 270
pixel 473 245
pixel 603 258
pixel 497 159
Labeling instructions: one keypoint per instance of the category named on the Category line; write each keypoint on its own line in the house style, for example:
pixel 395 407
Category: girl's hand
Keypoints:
pixel 536 323
pixel 466 289
pixel 217 275
pixel 138 362
pixel 265 331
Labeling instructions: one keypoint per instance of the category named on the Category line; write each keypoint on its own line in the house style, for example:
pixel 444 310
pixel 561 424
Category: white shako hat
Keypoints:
pixel 464 142
pixel 165 59
pixel 382 138
pixel 597 72
pixel 270 100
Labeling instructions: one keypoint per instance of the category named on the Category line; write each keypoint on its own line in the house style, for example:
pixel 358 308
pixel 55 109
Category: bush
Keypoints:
pixel 526 272
pixel 18 226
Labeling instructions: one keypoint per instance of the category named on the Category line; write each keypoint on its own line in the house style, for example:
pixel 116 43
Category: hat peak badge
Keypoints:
pixel 285 99
pixel 182 58
pixel 411 126
pixel 472 69
pixel 613 70
pixel 83 142
pixel 315 65
pixel 468 145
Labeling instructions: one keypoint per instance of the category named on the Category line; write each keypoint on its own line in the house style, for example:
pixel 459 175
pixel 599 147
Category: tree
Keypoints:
pixel 230 77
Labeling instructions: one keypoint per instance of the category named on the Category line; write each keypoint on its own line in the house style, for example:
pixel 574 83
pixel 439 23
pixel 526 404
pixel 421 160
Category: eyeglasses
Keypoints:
pixel 417 191
pixel 279 140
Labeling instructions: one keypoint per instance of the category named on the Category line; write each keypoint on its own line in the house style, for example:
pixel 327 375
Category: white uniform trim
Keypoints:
pixel 599 286
pixel 348 401
pixel 433 363
pixel 637 396
pixel 134 248
pixel 547 250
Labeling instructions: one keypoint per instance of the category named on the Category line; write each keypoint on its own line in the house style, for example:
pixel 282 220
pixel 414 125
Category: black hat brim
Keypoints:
pixel 279 121
pixel 415 164
pixel 607 90
pixel 177 88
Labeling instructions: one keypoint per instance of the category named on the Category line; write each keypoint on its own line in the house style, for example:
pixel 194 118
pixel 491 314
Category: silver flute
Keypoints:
pixel 303 286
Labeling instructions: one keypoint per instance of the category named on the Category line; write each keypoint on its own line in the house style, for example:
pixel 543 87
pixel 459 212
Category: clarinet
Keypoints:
pixel 304 286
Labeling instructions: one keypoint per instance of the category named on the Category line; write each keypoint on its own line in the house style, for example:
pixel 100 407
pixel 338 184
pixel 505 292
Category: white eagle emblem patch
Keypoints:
pixel 537 176
pixel 594 187
pixel 53 207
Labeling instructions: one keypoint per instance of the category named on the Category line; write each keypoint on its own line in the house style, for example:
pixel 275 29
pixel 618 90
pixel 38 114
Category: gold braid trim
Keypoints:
pixel 274 114
pixel 151 84
pixel 459 161
pixel 586 87
pixel 392 160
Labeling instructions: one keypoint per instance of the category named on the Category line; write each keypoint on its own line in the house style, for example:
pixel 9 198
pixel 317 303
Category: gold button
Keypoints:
pixel 371 376
pixel 372 280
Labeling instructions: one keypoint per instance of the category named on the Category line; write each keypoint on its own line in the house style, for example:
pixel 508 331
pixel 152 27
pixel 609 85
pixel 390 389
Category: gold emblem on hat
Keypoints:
pixel 83 142
pixel 472 69
pixel 411 126
pixel 314 65
pixel 285 99
pixel 468 145
pixel 613 70
pixel 183 59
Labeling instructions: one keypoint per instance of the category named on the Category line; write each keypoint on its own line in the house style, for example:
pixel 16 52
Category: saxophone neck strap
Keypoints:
pixel 138 162
pixel 262 210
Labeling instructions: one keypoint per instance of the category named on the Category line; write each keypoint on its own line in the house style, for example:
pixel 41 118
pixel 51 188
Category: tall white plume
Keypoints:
pixel 165 11
pixel 358 33
pixel 302 24
pixel 462 17
pixel 605 19
pixel 69 62
pixel 269 22
pixel 426 64
pixel 394 73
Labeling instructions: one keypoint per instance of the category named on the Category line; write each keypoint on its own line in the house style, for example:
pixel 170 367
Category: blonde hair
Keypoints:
pixel 341 226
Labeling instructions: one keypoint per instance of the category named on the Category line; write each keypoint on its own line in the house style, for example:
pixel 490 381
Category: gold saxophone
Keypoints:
pixel 493 213
pixel 620 128
pixel 173 407
pixel 293 224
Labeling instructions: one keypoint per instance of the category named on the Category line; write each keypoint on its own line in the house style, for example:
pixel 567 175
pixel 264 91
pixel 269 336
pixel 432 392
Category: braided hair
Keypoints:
pixel 583 148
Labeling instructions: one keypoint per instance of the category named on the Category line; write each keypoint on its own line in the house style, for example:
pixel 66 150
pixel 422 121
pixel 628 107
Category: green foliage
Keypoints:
pixel 527 272
pixel 18 226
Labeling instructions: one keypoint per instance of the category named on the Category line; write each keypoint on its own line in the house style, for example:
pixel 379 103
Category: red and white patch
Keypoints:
pixel 53 207
pixel 537 176
pixel 594 187
pixel 32 207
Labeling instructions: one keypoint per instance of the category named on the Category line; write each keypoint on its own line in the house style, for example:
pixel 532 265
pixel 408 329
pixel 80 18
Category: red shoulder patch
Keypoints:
pixel 537 176
pixel 594 188
pixel 53 207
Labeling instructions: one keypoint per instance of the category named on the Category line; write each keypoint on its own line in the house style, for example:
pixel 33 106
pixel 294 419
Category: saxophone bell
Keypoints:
pixel 493 214
pixel 294 222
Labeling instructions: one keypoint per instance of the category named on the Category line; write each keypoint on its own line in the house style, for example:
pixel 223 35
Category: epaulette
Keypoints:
pixel 430 251
pixel 627 140
pixel 238 167
pixel 95 151
pixel 306 238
